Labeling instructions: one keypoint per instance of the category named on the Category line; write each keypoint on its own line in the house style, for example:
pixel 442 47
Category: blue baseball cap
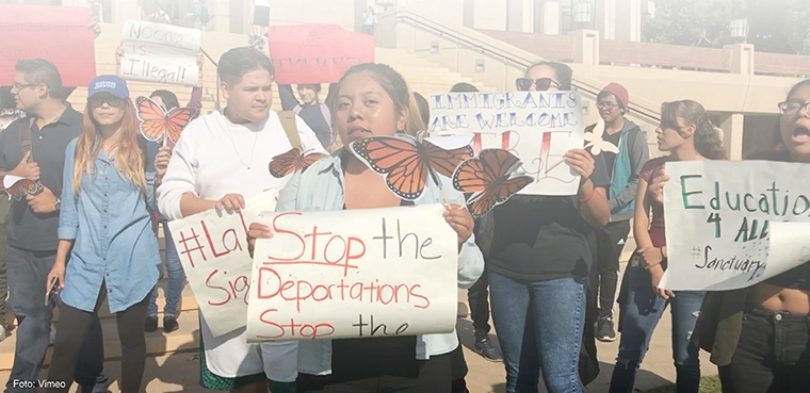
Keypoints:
pixel 108 84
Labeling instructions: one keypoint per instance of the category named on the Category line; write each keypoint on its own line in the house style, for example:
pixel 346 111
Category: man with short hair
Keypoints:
pixel 623 146
pixel 220 160
pixel 34 148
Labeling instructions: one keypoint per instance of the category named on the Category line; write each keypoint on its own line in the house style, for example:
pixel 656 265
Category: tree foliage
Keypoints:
pixel 774 25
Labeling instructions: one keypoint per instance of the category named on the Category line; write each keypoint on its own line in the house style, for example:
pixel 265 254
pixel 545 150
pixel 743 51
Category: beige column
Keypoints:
pixel 742 58
pixel 587 46
pixel 732 127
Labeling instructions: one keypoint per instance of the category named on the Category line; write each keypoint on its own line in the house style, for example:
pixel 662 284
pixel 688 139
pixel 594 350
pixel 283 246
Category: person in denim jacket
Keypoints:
pixel 374 99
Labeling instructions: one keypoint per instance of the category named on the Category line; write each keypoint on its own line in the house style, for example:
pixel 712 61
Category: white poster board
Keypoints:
pixel 354 273
pixel 212 247
pixel 156 52
pixel 722 222
pixel 538 127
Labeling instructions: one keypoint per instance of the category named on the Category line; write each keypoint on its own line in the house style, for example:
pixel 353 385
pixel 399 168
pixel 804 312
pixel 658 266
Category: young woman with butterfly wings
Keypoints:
pixel 374 100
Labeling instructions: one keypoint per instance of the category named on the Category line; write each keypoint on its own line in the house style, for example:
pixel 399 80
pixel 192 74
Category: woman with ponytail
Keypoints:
pixel 107 248
pixel 687 134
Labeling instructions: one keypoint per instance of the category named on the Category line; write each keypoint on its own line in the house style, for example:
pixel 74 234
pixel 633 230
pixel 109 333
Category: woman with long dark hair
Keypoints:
pixel 374 100
pixel 107 248
pixel 687 134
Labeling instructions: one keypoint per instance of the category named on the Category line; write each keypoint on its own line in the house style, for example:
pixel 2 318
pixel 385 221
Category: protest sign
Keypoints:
pixel 212 247
pixel 61 35
pixel 316 53
pixel 721 222
pixel 537 127
pixel 158 52
pixel 354 273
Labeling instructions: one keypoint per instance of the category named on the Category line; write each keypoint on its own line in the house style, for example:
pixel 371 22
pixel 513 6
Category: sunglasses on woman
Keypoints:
pixel 98 100
pixel 541 84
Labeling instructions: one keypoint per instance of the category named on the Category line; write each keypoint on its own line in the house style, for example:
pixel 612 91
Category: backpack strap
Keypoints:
pixel 25 134
pixel 287 119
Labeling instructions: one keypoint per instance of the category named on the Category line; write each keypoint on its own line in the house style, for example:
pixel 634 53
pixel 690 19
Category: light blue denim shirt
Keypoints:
pixel 320 188
pixel 112 232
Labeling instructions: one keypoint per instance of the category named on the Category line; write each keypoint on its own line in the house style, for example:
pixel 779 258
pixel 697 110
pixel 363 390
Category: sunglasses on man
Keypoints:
pixel 541 84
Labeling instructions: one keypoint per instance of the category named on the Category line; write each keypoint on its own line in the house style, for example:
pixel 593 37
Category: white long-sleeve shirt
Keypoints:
pixel 215 157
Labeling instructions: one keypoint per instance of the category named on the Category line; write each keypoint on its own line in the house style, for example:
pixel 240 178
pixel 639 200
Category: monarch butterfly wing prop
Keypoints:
pixel 445 162
pixel 176 120
pixel 285 163
pixel 396 158
pixel 477 174
pixel 487 177
pixel 497 194
pixel 152 118
pixel 310 159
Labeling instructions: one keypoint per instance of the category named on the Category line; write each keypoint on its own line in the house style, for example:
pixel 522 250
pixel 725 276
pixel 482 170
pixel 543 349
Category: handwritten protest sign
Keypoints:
pixel 61 35
pixel 350 274
pixel 158 52
pixel 721 222
pixel 316 53
pixel 213 250
pixel 537 127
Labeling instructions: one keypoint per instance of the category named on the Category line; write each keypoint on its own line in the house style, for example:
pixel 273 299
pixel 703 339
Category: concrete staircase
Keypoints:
pixel 423 76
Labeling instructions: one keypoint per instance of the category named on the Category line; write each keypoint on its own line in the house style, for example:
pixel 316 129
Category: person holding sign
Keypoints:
pixel 538 265
pixel 759 337
pixel 222 159
pixel 374 100
pixel 687 134
pixel 105 231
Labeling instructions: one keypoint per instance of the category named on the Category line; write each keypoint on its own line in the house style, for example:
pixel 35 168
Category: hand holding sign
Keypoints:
pixel 355 273
pixel 211 246
pixel 719 227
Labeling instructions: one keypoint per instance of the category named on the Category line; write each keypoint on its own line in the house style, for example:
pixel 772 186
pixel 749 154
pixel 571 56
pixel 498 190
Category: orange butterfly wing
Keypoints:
pixel 407 162
pixel 151 116
pixel 291 161
pixel 176 120
pixel 398 159
pixel 489 179
pixel 444 161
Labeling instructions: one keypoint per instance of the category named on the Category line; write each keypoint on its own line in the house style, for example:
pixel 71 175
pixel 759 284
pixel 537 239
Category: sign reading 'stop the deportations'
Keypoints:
pixel 538 127
pixel 353 274
pixel 731 225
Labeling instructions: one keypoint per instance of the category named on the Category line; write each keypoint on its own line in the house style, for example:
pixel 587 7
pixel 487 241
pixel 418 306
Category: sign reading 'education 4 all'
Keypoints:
pixel 356 273
pixel 731 225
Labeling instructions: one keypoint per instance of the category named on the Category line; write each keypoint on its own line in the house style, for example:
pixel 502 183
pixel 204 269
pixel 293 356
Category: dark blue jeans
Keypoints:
pixel 174 287
pixel 639 313
pixel 539 325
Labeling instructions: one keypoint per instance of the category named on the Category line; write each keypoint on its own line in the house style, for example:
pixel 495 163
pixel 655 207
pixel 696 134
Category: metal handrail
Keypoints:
pixel 424 23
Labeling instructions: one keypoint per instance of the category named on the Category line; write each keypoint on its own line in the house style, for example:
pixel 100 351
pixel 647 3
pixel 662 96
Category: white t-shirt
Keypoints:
pixel 215 157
